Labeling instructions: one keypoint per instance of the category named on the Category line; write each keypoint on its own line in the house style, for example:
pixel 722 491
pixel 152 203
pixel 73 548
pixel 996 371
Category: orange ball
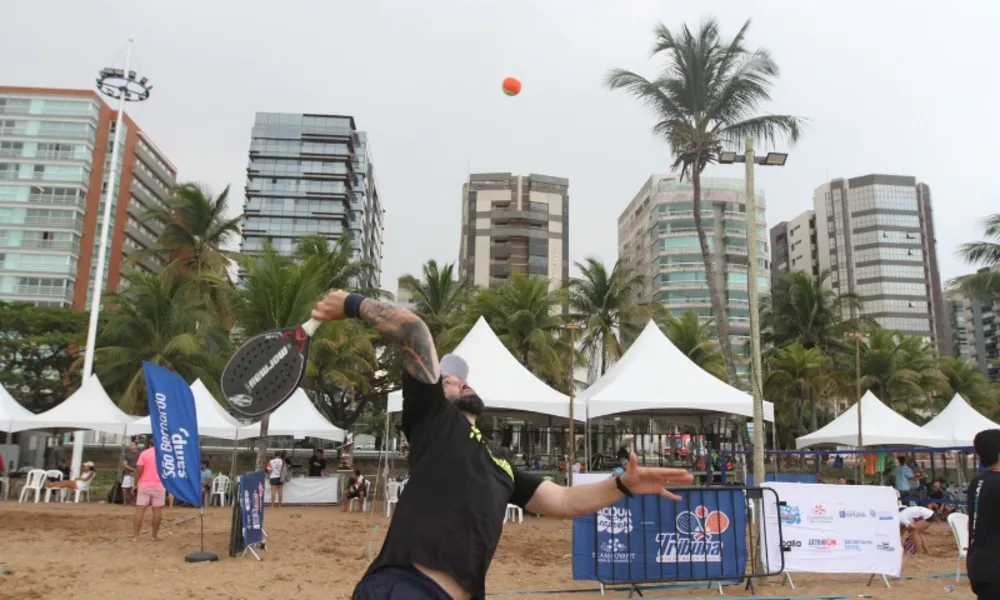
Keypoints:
pixel 511 86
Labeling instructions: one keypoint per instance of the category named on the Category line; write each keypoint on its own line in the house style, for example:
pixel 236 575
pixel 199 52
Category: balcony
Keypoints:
pixel 59 155
pixel 47 291
pixel 147 157
pixel 151 182
pixel 29 244
pixel 56 200
pixel 75 224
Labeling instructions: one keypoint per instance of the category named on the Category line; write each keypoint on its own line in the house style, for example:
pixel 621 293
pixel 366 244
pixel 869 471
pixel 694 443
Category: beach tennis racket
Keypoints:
pixel 266 369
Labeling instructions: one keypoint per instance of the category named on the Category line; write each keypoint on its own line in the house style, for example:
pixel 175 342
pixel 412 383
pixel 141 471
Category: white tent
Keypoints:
pixel 11 410
pixel 87 408
pixel 213 421
pixel 880 426
pixel 298 418
pixel 654 377
pixel 501 381
pixel 958 423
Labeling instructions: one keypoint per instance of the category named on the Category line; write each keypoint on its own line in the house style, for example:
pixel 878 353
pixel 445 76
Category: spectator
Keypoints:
pixel 206 482
pixel 128 472
pixel 937 498
pixel 983 508
pixel 903 475
pixel 357 487
pixel 275 469
pixel 838 462
pixel 317 464
pixel 75 484
pixel 63 467
pixel 149 492
pixel 842 481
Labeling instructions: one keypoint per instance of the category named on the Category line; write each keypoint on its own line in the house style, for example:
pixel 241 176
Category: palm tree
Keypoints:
pixel 901 370
pixel 695 339
pixel 605 305
pixel 437 298
pixel 164 321
pixel 966 379
pixel 805 311
pixel 794 378
pixel 339 269
pixel 705 101
pixel 341 371
pixel 985 284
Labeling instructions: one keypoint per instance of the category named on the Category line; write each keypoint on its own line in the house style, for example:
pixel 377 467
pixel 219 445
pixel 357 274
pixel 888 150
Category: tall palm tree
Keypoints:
pixel 794 378
pixel 966 379
pixel 805 311
pixel 696 339
pixel 604 304
pixel 338 267
pixel 161 320
pixel 985 284
pixel 705 100
pixel 901 370
pixel 341 371
pixel 437 298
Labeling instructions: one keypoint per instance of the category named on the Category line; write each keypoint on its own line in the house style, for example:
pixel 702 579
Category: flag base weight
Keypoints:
pixel 197 557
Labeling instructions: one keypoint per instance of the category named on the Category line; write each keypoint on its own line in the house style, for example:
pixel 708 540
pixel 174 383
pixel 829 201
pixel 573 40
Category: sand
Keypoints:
pixel 83 551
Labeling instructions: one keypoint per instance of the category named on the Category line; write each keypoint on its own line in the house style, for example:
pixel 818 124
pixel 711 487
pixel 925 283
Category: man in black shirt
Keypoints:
pixel 983 560
pixel 317 464
pixel 448 523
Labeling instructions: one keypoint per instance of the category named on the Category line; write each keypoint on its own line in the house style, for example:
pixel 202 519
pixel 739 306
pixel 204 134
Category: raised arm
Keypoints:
pixel 394 322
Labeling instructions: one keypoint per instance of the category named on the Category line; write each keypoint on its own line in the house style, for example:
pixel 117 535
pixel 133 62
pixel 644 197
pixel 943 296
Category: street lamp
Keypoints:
pixel 123 85
pixel 573 328
pixel 771 159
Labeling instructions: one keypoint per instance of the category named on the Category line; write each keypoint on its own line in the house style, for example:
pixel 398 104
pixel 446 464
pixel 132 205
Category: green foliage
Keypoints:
pixel 604 304
pixel 438 298
pixel 983 285
pixel 697 340
pixel 38 347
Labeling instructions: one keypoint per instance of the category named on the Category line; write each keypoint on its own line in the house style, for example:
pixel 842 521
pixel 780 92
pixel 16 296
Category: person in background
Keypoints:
pixel 149 492
pixel 357 487
pixel 915 520
pixel 842 481
pixel 983 508
pixel 902 475
pixel 937 498
pixel 317 464
pixel 623 454
pixel 128 472
pixel 275 469
pixel 63 466
pixel 75 484
pixel 838 462
pixel 206 482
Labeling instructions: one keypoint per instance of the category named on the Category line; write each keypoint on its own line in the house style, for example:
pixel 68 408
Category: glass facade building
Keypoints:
pixel 311 175
pixel 658 238
pixel 55 153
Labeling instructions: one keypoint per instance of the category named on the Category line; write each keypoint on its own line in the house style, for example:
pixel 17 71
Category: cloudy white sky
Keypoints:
pixel 902 87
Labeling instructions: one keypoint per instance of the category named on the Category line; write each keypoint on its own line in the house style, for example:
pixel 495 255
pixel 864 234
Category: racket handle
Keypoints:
pixel 311 326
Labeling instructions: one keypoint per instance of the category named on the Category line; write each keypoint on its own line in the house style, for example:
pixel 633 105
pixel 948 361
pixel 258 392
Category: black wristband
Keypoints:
pixel 352 305
pixel 622 488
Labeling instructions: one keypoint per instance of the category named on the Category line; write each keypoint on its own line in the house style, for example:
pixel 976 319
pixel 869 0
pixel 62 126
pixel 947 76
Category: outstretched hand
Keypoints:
pixel 654 480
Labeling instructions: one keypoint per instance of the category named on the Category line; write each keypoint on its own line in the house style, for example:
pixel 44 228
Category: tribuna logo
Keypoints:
pixel 695 538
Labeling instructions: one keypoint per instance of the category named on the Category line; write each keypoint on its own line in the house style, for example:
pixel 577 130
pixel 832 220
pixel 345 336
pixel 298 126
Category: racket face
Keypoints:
pixel 265 371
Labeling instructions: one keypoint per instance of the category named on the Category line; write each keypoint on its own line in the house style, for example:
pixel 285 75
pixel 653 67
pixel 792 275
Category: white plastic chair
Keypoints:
pixel 514 513
pixel 220 489
pixel 364 505
pixel 82 487
pixel 34 482
pixel 959 524
pixel 392 490
pixel 58 476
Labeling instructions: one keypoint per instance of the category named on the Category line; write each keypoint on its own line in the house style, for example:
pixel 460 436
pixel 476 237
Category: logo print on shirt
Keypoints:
pixel 474 433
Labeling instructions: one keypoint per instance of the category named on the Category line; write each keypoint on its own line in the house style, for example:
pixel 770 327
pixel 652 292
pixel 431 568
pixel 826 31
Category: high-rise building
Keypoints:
pixel 55 155
pixel 404 296
pixel 514 223
pixel 876 234
pixel 657 238
pixel 311 175
pixel 975 329
pixel 793 247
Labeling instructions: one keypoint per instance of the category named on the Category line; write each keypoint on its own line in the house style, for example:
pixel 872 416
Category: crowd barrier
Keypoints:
pixel 702 537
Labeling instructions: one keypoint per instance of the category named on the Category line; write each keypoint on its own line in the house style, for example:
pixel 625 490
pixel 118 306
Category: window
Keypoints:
pixel 889 253
pixel 892 288
pixel 541 207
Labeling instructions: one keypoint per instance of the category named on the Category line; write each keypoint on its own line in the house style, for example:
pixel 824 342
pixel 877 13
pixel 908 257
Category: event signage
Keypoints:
pixel 650 538
pixel 251 501
pixel 833 528
pixel 174 424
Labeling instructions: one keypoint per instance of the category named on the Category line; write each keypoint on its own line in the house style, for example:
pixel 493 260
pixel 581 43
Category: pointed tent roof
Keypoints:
pixel 89 407
pixel 11 410
pixel 213 420
pixel 655 377
pixel 501 381
pixel 880 426
pixel 959 423
pixel 297 417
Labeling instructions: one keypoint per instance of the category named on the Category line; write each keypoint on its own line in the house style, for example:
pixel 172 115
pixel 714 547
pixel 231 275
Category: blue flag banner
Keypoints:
pixel 650 538
pixel 175 433
pixel 251 499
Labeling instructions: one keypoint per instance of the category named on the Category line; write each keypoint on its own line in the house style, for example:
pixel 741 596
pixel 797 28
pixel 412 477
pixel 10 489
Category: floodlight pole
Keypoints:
pixel 857 367
pixel 573 328
pixel 756 386
pixel 123 87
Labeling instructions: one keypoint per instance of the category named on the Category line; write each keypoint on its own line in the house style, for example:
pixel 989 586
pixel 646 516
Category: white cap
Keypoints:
pixel 454 365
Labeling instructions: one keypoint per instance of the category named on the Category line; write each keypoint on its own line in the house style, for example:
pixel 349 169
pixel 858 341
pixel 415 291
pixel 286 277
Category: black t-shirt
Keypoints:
pixel 451 516
pixel 936 494
pixel 984 528
pixel 316 466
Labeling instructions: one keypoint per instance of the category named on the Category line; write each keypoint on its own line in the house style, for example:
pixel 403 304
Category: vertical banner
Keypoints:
pixel 174 424
pixel 251 501
pixel 650 538
pixel 834 528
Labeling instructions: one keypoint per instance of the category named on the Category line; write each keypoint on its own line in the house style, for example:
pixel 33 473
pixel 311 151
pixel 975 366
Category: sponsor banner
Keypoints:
pixel 833 529
pixel 174 425
pixel 649 538
pixel 251 500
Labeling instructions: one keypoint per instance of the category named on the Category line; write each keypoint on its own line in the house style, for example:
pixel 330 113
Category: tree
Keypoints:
pixel 805 311
pixel 339 270
pixel 438 298
pixel 985 284
pixel 965 378
pixel 900 370
pixel 696 340
pixel 795 376
pixel 705 101
pixel 38 347
pixel 164 321
pixel 604 304
pixel 342 371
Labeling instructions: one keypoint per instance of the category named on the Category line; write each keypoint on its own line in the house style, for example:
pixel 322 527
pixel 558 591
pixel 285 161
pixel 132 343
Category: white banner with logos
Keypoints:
pixel 832 529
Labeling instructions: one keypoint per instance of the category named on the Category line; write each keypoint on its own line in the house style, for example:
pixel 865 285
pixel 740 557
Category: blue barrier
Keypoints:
pixel 703 537
pixel 785 478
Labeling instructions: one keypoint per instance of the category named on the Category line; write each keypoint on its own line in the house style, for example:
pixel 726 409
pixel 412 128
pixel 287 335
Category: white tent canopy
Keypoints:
pixel 958 423
pixel 11 410
pixel 213 420
pixel 87 408
pixel 654 377
pixel 881 426
pixel 501 381
pixel 297 417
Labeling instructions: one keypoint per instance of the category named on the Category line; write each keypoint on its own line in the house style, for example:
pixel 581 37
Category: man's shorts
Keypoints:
pixel 127 482
pixel 147 496
pixel 398 583
pixel 276 482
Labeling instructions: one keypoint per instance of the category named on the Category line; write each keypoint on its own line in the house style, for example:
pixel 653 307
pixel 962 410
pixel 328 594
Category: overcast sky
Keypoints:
pixel 900 87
